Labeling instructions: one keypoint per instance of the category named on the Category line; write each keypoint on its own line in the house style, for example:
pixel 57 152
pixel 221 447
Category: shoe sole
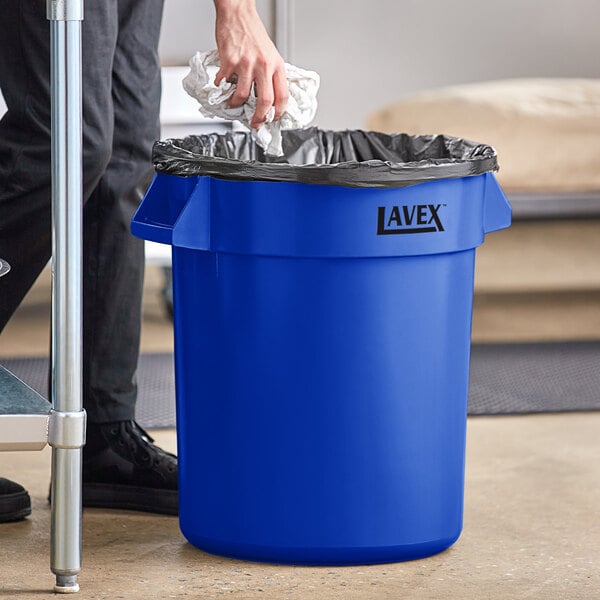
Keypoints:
pixel 14 507
pixel 127 497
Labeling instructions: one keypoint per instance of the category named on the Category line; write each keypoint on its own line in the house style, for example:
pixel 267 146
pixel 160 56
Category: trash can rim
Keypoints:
pixel 199 155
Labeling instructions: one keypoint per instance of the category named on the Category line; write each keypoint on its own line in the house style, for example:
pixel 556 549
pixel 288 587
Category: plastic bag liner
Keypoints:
pixel 344 158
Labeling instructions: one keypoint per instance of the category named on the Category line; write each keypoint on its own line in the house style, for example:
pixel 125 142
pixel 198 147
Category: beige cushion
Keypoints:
pixel 546 131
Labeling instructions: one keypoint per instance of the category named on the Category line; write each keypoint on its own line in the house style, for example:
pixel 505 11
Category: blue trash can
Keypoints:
pixel 322 337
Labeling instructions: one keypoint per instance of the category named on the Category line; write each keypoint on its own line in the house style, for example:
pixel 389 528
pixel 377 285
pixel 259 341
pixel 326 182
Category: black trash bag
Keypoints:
pixel 344 158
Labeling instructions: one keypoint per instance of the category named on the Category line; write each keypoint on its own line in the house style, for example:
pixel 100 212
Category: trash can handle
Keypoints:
pixel 193 226
pixel 163 203
pixel 497 210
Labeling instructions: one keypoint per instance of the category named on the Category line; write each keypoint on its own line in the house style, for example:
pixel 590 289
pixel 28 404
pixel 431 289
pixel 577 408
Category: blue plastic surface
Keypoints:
pixel 322 342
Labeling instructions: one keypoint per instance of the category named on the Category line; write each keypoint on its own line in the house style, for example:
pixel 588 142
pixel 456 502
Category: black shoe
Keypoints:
pixel 15 503
pixel 123 469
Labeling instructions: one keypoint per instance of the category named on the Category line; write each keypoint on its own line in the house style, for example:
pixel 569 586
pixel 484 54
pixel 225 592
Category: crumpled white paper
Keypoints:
pixel 301 108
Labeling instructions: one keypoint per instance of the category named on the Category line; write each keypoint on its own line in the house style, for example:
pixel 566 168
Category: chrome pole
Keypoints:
pixel 67 421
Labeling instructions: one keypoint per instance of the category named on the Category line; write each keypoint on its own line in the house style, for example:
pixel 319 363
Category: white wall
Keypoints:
pixel 370 53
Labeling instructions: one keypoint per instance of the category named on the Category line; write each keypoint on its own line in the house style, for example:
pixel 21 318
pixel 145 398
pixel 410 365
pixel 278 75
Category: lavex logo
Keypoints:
pixel 419 218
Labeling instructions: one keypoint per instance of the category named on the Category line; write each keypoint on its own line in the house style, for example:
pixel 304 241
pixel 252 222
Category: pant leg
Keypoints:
pixel 24 139
pixel 25 203
pixel 114 259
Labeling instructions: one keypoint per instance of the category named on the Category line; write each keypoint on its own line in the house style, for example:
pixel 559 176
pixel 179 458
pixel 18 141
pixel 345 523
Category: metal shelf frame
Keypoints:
pixel 63 425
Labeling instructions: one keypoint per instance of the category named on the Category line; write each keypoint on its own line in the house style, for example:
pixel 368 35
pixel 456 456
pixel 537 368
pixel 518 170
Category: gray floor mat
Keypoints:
pixel 505 379
pixel 533 378
pixel 156 402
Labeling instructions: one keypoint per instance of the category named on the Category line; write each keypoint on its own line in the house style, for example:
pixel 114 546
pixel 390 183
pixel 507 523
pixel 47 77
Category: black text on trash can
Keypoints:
pixel 419 218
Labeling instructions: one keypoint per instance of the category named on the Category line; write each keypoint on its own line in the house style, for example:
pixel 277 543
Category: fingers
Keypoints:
pixel 224 74
pixel 270 92
pixel 220 76
pixel 281 93
pixel 270 86
pixel 264 97
pixel 242 90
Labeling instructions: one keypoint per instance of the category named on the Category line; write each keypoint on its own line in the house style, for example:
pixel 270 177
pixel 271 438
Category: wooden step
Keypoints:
pixel 543 316
pixel 540 256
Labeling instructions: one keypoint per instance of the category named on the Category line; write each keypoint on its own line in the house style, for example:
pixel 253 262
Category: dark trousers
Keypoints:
pixel 121 99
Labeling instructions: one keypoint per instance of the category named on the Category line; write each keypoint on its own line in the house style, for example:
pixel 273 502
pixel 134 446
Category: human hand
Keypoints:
pixel 248 55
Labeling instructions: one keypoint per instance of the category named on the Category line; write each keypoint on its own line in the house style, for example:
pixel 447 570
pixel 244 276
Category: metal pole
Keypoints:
pixel 67 421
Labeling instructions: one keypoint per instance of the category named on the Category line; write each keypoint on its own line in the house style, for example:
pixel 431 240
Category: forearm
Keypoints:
pixel 225 5
pixel 235 10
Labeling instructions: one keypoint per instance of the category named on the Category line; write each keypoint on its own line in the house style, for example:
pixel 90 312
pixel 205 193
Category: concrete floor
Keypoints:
pixel 532 522
pixel 532 530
